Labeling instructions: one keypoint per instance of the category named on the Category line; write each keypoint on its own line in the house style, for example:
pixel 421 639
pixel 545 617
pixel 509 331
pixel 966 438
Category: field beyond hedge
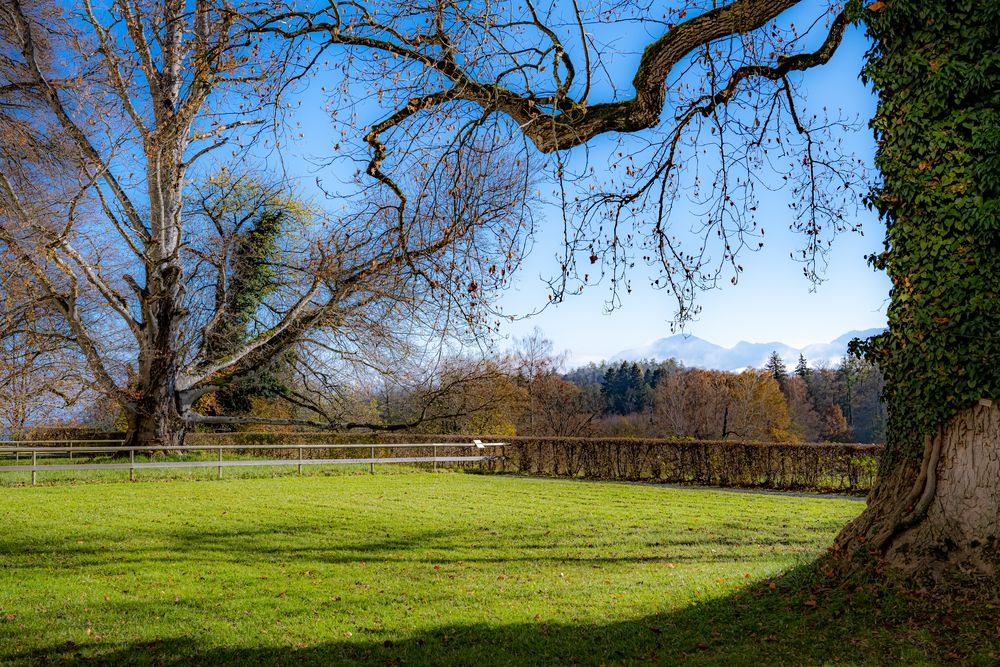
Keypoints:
pixel 442 569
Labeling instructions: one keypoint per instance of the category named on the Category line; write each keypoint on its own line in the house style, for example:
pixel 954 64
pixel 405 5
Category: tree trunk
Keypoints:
pixel 944 514
pixel 155 422
pixel 936 512
pixel 155 419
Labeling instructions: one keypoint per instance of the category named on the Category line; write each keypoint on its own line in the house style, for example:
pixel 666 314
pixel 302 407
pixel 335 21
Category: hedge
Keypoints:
pixel 843 468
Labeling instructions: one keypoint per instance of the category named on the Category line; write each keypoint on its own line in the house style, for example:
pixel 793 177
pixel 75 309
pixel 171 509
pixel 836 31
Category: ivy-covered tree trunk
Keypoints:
pixel 936 69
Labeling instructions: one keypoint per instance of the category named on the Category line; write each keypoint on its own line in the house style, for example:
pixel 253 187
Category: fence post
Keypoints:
pixel 220 462
pixel 373 460
pixel 435 458
pixel 131 465
pixel 34 467
pixel 300 461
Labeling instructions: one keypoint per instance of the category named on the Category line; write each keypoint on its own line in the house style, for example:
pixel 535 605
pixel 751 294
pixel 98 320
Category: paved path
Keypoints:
pixel 689 487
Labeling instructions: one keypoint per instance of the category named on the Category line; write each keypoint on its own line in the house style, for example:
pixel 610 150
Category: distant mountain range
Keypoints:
pixel 695 352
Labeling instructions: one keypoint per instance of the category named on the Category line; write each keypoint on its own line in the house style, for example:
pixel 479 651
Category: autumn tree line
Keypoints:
pixel 664 399
pixel 526 392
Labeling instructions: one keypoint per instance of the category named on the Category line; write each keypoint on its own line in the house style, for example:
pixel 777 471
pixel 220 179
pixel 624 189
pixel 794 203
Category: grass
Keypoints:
pixel 446 569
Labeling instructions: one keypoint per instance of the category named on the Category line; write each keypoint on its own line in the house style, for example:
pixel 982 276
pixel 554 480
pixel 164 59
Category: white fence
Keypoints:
pixel 22 450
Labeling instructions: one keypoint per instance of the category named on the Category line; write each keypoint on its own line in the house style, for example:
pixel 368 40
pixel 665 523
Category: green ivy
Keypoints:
pixel 252 281
pixel 935 66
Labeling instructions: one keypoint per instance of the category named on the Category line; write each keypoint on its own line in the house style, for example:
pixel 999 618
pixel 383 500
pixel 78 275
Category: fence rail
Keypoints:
pixel 31 448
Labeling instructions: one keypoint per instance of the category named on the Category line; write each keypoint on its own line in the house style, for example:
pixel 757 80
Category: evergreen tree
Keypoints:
pixel 802 368
pixel 625 390
pixel 775 366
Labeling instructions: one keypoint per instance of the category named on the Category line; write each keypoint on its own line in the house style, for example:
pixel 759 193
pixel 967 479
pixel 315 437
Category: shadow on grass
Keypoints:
pixel 169 547
pixel 799 619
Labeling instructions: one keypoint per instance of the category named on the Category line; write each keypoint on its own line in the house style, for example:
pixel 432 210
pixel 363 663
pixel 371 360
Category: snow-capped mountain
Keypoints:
pixel 696 352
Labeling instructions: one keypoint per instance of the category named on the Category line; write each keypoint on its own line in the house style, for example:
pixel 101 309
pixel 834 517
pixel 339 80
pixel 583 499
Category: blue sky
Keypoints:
pixel 773 301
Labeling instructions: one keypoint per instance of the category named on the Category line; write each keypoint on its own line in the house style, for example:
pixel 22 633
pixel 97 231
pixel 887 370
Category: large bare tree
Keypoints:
pixel 712 102
pixel 111 110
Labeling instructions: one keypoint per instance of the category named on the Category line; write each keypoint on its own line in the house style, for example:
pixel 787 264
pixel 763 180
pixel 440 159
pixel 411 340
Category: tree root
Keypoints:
pixel 920 496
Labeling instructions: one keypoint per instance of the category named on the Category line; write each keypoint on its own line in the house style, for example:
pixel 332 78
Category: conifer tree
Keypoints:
pixel 775 366
pixel 802 368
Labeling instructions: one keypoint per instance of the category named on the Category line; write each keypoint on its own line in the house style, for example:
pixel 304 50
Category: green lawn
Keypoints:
pixel 442 569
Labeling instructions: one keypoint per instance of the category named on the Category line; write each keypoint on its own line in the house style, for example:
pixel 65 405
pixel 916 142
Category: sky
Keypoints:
pixel 772 301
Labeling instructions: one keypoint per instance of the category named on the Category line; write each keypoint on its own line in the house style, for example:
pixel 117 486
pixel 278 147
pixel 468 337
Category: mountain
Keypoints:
pixel 696 352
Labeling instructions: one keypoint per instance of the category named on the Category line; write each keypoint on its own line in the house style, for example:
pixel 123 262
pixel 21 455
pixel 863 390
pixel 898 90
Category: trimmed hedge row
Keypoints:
pixel 845 468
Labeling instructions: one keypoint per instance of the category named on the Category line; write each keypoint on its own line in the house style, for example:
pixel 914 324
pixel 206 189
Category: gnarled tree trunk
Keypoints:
pixel 943 514
pixel 155 418
pixel 155 422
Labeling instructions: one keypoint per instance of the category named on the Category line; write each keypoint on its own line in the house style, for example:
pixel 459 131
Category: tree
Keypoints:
pixel 469 397
pixel 535 362
pixel 248 218
pixel 757 409
pixel 805 419
pixel 776 367
pixel 868 409
pixel 833 426
pixel 802 368
pixel 108 112
pixel 38 367
pixel 693 403
pixel 725 78
pixel 563 409
pixel 624 389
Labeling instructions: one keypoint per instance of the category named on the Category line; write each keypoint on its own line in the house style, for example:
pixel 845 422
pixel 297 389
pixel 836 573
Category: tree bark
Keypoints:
pixel 942 515
pixel 156 419
pixel 155 422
